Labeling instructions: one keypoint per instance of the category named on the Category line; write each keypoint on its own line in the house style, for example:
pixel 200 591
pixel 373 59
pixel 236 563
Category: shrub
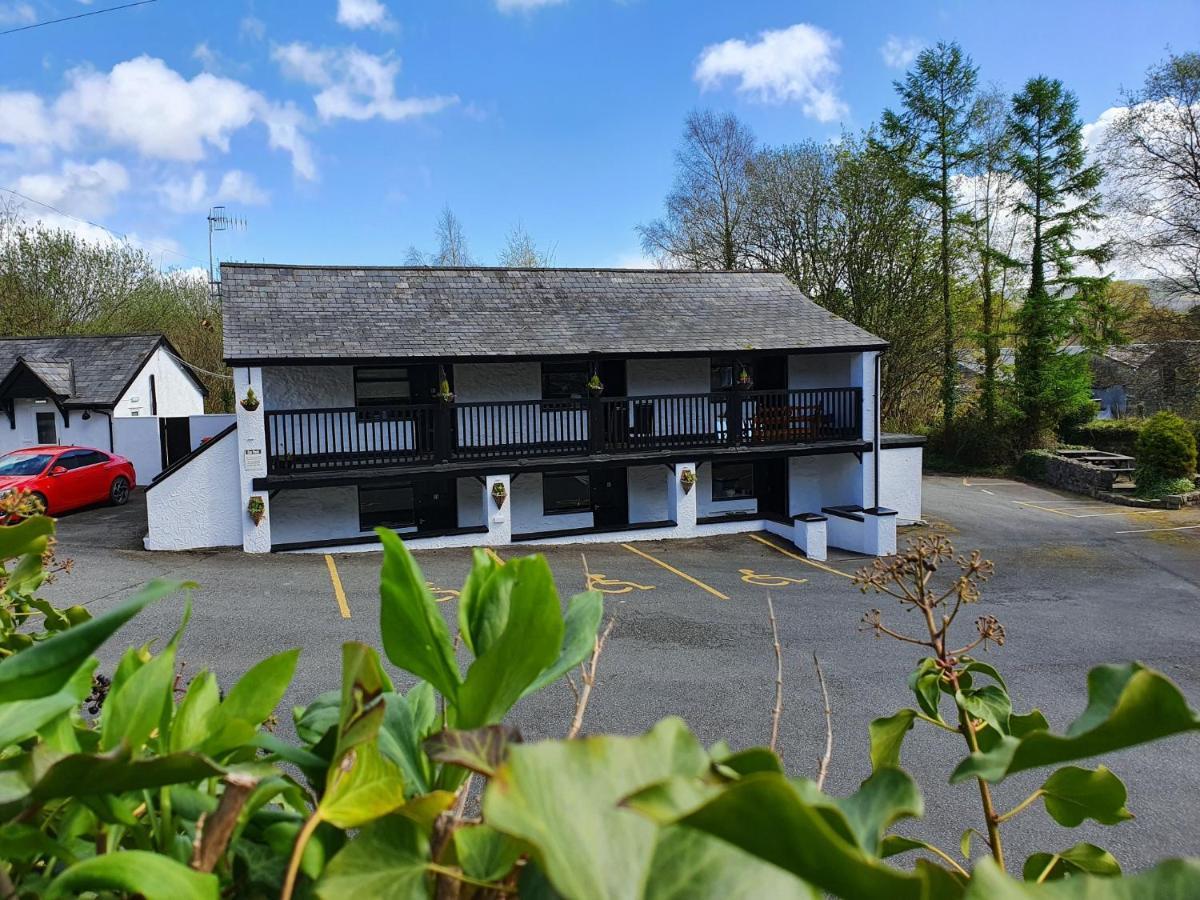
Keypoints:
pixel 1151 486
pixel 1166 447
pixel 1112 435
pixel 1032 464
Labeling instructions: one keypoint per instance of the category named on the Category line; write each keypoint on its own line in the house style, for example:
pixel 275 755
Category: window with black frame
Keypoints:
pixel 564 381
pixel 566 492
pixel 732 481
pixel 381 387
pixel 724 374
pixel 393 506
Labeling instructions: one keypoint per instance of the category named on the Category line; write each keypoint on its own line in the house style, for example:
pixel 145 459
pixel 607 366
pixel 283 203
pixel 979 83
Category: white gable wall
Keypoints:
pixel 91 432
pixel 177 393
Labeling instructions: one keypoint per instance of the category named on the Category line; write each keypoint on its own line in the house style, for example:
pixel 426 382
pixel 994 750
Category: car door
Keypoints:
pixel 76 486
pixel 94 469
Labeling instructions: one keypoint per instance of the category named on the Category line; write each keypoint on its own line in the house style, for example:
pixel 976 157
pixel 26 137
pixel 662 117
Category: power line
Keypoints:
pixel 94 12
pixel 196 368
pixel 104 228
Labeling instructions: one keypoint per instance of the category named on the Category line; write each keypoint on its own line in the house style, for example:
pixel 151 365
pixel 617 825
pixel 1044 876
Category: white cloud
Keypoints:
pixel 252 28
pixel 193 194
pixel 795 64
pixel 79 189
pixel 354 84
pixel 364 14
pixel 898 52
pixel 17 14
pixel 1094 132
pixel 521 6
pixel 144 105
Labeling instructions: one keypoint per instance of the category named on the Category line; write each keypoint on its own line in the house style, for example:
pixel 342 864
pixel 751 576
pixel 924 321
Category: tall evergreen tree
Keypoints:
pixel 1061 198
pixel 932 132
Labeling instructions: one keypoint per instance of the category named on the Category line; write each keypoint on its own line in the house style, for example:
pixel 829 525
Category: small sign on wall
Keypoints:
pixel 253 462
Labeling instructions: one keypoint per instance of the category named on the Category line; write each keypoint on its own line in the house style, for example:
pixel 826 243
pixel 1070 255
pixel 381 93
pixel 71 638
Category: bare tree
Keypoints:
pixel 522 252
pixel 1152 157
pixel 452 244
pixel 706 217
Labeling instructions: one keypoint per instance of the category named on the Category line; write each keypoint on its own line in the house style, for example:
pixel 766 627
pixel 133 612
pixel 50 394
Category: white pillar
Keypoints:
pixel 252 458
pixel 681 504
pixel 498 519
pixel 862 375
pixel 809 534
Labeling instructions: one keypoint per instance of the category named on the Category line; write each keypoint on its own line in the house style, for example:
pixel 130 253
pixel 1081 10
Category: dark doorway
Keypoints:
pixel 175 434
pixel 771 488
pixel 437 504
pixel 770 373
pixel 612 376
pixel 610 497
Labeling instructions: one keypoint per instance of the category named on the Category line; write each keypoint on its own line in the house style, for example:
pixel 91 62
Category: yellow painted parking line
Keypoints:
pixel 494 555
pixel 1043 508
pixel 1144 530
pixel 674 571
pixel 441 595
pixel 987 483
pixel 338 593
pixel 797 556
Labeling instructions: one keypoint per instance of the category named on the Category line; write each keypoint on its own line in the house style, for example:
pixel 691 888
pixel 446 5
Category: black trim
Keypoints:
pixel 740 517
pixel 184 460
pixel 854 513
pixel 811 517
pixel 234 361
pixel 521 466
pixel 901 441
pixel 575 532
pixel 162 342
pixel 361 539
pixel 880 511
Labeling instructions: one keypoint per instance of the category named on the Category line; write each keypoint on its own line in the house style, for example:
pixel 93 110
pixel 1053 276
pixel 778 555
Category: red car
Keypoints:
pixel 66 478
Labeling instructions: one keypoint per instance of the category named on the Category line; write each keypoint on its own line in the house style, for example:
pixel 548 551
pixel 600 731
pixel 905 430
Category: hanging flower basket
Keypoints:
pixel 595 386
pixel 250 402
pixel 257 509
pixel 444 393
pixel 499 493
pixel 687 480
pixel 744 381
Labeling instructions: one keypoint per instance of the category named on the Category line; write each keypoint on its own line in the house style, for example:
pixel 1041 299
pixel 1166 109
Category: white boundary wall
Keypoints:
pixel 199 504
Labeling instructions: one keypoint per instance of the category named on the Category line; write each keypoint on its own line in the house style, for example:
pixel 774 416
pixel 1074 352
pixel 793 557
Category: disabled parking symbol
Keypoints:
pixel 762 580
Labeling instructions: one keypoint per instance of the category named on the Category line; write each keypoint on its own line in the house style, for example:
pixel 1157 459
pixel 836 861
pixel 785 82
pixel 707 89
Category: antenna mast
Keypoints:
pixel 218 220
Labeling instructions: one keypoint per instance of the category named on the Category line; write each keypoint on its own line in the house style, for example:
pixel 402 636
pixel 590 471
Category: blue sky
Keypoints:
pixel 340 128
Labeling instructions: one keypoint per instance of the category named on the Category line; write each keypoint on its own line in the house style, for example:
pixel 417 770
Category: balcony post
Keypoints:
pixel 597 439
pixel 733 418
pixel 252 459
pixel 444 431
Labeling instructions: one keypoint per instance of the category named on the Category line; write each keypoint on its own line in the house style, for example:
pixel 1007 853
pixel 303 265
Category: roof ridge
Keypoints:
pixel 59 337
pixel 395 268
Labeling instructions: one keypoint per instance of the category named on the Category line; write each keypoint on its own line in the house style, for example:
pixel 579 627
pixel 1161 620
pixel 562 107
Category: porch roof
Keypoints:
pixel 275 313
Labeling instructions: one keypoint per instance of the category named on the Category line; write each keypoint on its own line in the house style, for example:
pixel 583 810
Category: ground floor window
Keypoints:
pixel 392 507
pixel 566 492
pixel 47 430
pixel 732 481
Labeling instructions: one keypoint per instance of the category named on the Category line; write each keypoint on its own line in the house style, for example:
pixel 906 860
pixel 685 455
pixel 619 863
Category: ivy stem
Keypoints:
pixel 289 882
pixel 465 879
pixel 933 721
pixel 1024 804
pixel 936 851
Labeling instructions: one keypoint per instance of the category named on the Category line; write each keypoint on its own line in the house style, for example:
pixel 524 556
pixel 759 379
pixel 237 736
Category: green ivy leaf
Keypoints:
pixel 745 762
pixel 925 683
pixel 1073 794
pixel 582 621
pixel 1127 705
pixel 363 785
pixel 481 750
pixel 387 859
pixel 401 743
pixel 989 703
pixel 975 665
pixel 151 875
pixel 314 721
pixel 1082 858
pixel 48 665
pixel 529 643
pixel 415 636
pixel 887 736
pixel 882 800
pixel 485 853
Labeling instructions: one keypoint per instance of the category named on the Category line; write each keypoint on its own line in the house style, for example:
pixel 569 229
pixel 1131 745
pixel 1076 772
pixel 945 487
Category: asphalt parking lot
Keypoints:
pixel 1077 584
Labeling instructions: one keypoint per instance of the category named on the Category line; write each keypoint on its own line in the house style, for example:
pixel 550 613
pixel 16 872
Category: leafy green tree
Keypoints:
pixel 1061 199
pixel 932 133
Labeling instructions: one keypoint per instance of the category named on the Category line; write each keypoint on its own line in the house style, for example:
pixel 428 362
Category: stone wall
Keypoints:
pixel 1078 477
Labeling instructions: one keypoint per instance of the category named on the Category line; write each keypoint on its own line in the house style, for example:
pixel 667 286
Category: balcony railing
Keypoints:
pixel 340 438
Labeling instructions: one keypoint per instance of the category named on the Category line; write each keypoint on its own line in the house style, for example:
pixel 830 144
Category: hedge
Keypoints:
pixel 1115 435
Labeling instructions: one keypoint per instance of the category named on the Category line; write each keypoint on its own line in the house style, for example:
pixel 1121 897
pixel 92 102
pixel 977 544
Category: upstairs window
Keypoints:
pixel 732 481
pixel 382 387
pixel 564 381
pixel 725 374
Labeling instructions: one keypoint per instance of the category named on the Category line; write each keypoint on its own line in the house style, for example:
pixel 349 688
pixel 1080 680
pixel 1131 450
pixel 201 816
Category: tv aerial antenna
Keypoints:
pixel 219 220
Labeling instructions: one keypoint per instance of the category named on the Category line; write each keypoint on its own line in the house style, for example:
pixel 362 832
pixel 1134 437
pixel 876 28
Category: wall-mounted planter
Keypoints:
pixel 256 509
pixel 687 480
pixel 499 493
pixel 250 402
pixel 595 386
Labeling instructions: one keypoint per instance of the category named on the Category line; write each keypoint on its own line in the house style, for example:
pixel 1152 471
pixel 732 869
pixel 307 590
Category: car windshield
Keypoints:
pixel 23 463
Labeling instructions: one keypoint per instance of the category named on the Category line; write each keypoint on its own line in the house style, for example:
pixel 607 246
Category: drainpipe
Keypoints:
pixel 107 413
pixel 878 418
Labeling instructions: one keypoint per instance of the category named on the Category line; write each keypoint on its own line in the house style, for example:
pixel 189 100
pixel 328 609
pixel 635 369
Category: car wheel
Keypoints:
pixel 41 499
pixel 119 492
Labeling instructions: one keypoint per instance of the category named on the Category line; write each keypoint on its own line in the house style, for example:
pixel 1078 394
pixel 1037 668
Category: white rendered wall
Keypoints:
pixel 198 505
pixel 707 506
pixel 833 479
pixel 307 387
pixel 138 441
pixel 177 393
pixel 900 482
pixel 481 382
pixel 525 507
pixel 91 432
pixel 648 494
pixel 820 370
pixel 470 512
pixel 668 376
pixel 252 458
pixel 314 514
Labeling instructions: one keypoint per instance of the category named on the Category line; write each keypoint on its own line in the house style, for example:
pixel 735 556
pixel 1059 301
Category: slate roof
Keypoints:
pixel 274 312
pixel 94 369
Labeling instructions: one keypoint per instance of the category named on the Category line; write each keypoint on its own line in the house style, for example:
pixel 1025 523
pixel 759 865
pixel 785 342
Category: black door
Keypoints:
pixel 436 502
pixel 771 488
pixel 770 373
pixel 176 438
pixel 610 497
pixel 612 376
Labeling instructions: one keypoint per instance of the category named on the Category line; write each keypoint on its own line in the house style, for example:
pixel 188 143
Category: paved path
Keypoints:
pixel 1077 584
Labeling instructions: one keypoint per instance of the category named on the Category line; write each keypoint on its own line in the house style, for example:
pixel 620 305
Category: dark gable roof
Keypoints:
pixel 316 313
pixel 95 369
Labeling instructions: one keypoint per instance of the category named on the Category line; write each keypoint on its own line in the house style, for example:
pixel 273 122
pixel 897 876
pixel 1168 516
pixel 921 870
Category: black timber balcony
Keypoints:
pixel 340 439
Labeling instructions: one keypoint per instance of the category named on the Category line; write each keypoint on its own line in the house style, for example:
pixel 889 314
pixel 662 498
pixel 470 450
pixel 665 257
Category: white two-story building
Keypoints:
pixel 486 406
